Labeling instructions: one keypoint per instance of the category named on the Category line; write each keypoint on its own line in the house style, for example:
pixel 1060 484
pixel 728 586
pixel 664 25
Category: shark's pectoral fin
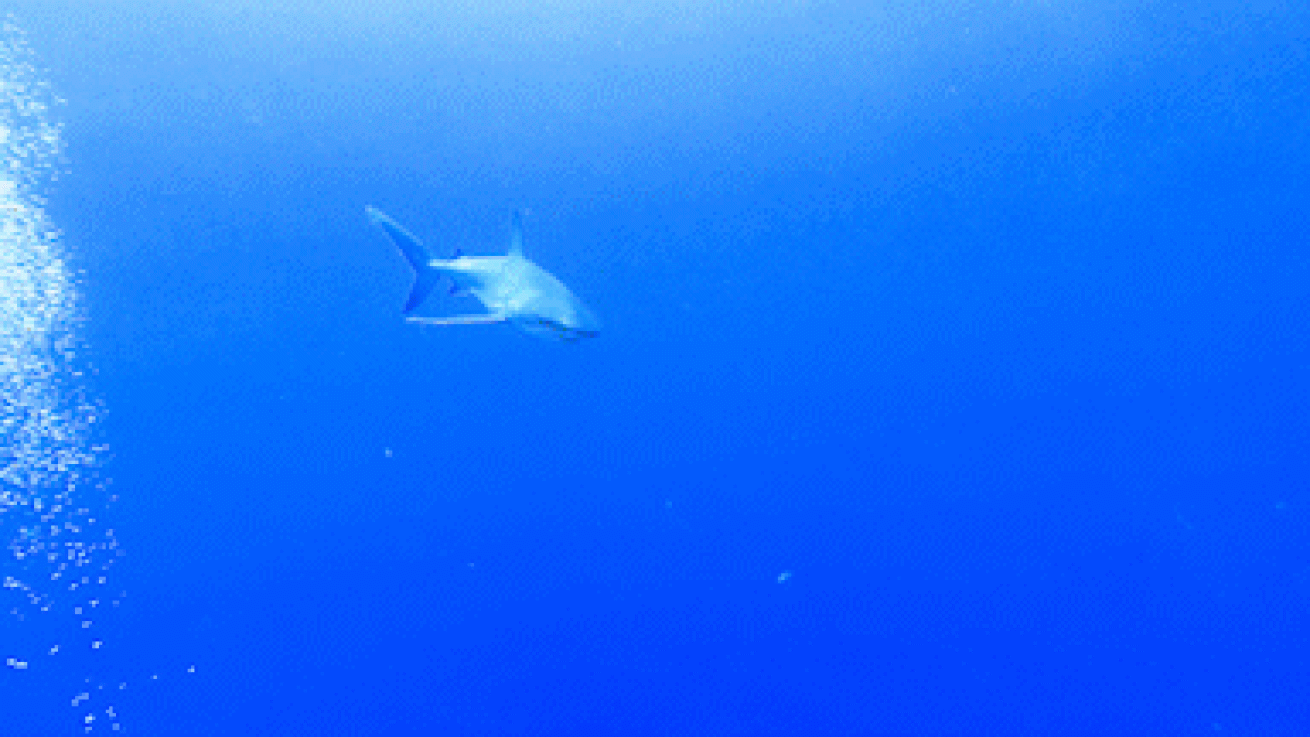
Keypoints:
pixel 458 320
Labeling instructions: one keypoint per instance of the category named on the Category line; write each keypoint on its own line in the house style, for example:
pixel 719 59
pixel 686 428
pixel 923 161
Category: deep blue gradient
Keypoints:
pixel 985 322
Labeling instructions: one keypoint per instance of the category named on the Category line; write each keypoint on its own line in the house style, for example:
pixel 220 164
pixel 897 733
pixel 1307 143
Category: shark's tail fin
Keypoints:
pixel 417 256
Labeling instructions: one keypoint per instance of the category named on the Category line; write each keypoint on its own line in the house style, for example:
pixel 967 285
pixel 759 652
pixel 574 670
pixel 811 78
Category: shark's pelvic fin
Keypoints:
pixel 426 278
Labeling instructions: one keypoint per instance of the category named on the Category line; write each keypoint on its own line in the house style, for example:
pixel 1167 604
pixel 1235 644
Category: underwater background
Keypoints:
pixel 952 378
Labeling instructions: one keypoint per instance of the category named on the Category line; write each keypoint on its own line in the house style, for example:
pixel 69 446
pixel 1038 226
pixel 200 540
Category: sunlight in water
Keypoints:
pixel 57 554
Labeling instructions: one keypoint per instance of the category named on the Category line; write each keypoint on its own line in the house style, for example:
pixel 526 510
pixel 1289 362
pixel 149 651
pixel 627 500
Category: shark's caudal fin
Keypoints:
pixel 426 278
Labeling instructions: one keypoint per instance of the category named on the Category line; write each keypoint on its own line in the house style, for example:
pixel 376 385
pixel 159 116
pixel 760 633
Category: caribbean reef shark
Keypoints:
pixel 513 289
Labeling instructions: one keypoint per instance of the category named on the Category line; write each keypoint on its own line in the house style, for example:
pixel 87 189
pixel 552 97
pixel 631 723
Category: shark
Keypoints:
pixel 513 289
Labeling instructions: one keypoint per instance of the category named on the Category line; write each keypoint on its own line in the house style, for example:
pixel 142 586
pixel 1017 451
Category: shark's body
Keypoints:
pixel 513 289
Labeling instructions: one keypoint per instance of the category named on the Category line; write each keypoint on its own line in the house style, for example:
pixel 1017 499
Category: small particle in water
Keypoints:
pixel 16 664
pixel 388 452
pixel 784 576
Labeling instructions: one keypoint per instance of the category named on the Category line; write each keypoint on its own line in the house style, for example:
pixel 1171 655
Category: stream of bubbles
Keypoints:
pixel 58 554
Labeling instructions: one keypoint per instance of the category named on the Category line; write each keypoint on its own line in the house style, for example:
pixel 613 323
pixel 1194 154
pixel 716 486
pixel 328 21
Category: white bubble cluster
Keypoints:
pixel 56 556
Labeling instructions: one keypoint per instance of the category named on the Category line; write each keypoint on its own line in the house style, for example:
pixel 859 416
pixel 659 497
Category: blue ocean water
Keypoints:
pixel 953 377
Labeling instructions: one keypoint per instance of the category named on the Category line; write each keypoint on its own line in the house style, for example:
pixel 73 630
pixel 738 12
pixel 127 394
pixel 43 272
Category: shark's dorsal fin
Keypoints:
pixel 516 234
